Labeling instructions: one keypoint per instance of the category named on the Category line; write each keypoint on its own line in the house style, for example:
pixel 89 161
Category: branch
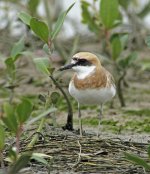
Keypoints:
pixel 69 124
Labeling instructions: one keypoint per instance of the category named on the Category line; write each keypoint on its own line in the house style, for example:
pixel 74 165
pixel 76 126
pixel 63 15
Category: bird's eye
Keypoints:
pixel 75 59
pixel 83 62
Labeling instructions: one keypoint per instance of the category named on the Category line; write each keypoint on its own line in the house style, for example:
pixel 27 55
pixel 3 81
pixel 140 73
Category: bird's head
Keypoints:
pixel 83 63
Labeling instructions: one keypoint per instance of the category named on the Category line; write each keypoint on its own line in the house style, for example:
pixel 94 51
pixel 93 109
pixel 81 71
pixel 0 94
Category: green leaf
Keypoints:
pixel 2 137
pixel 87 18
pixel 43 65
pixel 9 118
pixel 137 160
pixel 60 22
pixel 43 114
pixel 51 70
pixel 40 28
pixel 46 49
pixel 109 12
pixel 40 157
pixel 17 49
pixel 10 66
pixel 9 63
pixel 24 110
pixel 124 38
pixel 55 96
pixel 116 46
pixel 25 17
pixel 42 98
pixel 20 163
pixel 124 3
pixel 145 11
pixel 32 5
pixel 147 40
pixel 126 62
pixel 12 155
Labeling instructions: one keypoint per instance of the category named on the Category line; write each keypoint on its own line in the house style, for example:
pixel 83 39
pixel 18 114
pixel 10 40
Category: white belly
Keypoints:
pixel 92 96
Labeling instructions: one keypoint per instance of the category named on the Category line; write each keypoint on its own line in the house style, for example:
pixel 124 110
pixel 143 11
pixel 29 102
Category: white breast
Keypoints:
pixel 83 71
pixel 92 96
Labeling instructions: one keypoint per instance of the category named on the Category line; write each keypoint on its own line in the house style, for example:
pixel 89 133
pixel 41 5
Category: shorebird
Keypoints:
pixel 91 84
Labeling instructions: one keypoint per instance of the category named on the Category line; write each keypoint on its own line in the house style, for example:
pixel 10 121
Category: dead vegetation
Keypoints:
pixel 89 154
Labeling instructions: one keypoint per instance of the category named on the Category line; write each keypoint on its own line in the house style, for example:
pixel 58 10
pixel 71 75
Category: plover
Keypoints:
pixel 91 84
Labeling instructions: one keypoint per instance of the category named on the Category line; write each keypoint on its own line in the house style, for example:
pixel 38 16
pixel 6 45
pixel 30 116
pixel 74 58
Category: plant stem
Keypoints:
pixel 35 138
pixel 18 134
pixel 11 95
pixel 59 48
pixel 69 124
pixel 106 32
pixel 119 88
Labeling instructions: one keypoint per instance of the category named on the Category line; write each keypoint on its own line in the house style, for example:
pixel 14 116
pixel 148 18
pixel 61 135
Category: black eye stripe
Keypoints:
pixel 74 58
pixel 81 62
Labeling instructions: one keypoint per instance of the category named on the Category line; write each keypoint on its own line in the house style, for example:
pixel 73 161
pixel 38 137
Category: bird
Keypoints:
pixel 91 83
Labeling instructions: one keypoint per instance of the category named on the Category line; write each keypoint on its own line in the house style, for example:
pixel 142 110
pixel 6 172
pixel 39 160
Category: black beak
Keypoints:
pixel 69 66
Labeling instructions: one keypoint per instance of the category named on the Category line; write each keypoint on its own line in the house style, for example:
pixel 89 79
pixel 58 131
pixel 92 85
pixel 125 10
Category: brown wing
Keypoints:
pixel 98 79
pixel 110 79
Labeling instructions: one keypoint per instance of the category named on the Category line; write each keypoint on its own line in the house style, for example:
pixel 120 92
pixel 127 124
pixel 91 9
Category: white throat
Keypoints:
pixel 84 71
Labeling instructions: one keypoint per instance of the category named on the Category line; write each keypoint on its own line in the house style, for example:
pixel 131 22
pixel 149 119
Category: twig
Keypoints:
pixel 79 157
pixel 69 124
pixel 79 154
pixel 11 96
pixel 38 133
pixel 18 134
pixel 34 140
